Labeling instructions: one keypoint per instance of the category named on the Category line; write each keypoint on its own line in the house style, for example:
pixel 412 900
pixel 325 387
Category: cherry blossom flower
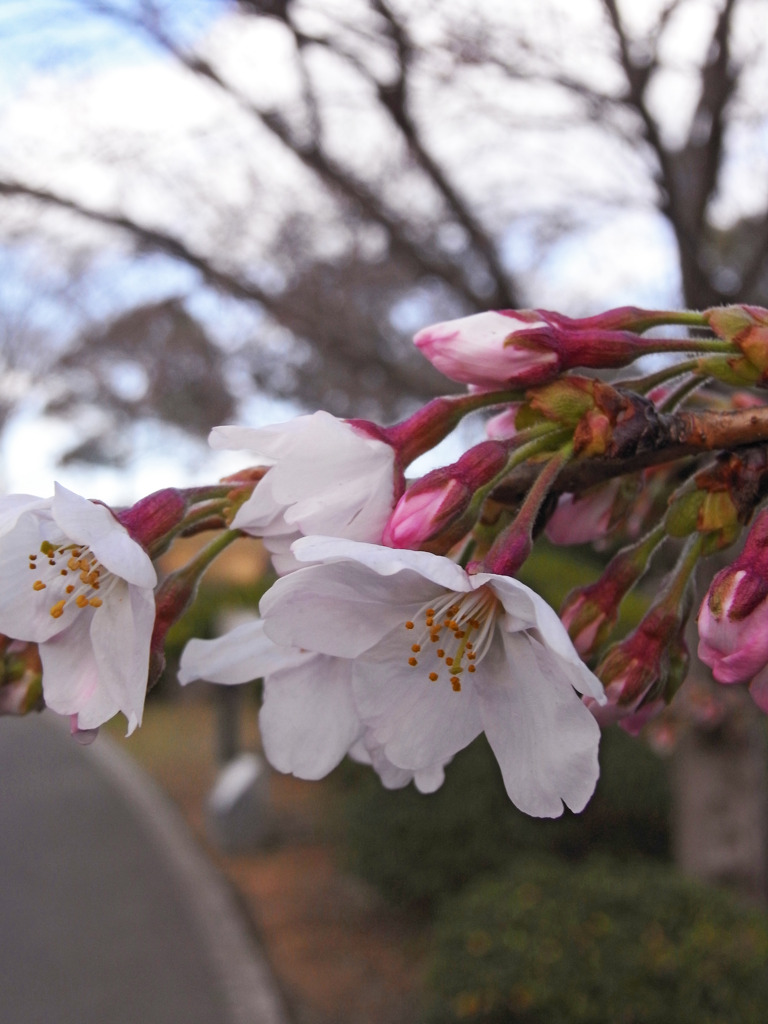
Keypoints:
pixel 78 585
pixel 441 656
pixel 326 476
pixel 308 719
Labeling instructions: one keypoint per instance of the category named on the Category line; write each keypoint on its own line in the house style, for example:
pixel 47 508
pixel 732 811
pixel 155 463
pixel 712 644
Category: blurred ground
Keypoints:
pixel 340 955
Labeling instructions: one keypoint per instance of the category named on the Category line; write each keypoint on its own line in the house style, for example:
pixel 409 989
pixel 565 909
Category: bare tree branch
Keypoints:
pixel 315 158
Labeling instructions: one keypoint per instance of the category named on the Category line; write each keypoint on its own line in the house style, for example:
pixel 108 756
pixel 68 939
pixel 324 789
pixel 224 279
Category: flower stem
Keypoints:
pixel 513 545
pixel 197 565
pixel 642 385
pixel 435 421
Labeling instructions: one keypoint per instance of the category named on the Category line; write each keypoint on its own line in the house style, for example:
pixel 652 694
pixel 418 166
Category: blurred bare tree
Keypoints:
pixel 368 166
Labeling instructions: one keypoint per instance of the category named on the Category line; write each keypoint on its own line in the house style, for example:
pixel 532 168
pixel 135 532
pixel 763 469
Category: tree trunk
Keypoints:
pixel 720 802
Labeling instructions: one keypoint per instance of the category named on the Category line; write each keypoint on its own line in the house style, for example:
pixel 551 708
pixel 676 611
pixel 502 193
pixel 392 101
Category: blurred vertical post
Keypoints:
pixel 720 801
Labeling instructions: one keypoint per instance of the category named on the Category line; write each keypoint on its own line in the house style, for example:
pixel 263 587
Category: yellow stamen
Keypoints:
pixel 68 559
pixel 459 630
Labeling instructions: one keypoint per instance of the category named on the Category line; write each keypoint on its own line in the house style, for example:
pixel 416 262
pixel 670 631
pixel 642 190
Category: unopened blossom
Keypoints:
pixel 441 656
pixel 733 641
pixel 503 426
pixel 308 720
pixel 480 350
pixel 528 347
pixel 590 612
pixel 586 517
pixel 78 585
pixel 326 476
pixel 643 671
pixel 437 510
pixel 424 510
pixel 733 618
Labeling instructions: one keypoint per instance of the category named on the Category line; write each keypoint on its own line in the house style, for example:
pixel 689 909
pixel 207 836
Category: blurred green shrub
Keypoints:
pixel 416 848
pixel 597 943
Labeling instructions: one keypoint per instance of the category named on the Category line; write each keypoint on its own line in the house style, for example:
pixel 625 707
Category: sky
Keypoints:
pixel 114 76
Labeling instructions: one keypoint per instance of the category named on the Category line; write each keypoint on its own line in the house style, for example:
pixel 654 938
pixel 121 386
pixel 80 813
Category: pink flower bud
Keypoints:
pixel 733 619
pixel 483 349
pixel 434 506
pixel 503 427
pixel 424 511
pixel 643 671
pixel 747 328
pixel 587 623
pixel 590 516
pixel 529 347
pixel 151 518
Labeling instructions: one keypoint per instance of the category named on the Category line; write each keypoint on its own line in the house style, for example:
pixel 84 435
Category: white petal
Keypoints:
pixel 429 780
pixel 71 679
pixel 385 561
pixel 544 738
pixel 25 613
pixel 243 654
pixel 418 722
pixel 308 720
pixel 121 630
pixel 12 506
pixel 326 477
pixel 367 751
pixel 340 609
pixel 269 443
pixel 527 610
pixel 337 482
pixel 94 525
pixel 281 555
pixel 261 514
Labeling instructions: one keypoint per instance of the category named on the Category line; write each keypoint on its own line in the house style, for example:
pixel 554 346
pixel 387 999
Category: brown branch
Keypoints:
pixel 313 157
pixel 687 178
pixel 394 98
pixel 650 439
pixel 151 238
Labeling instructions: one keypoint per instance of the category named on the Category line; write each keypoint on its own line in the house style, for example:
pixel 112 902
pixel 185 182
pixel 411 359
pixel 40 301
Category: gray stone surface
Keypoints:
pixel 109 913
